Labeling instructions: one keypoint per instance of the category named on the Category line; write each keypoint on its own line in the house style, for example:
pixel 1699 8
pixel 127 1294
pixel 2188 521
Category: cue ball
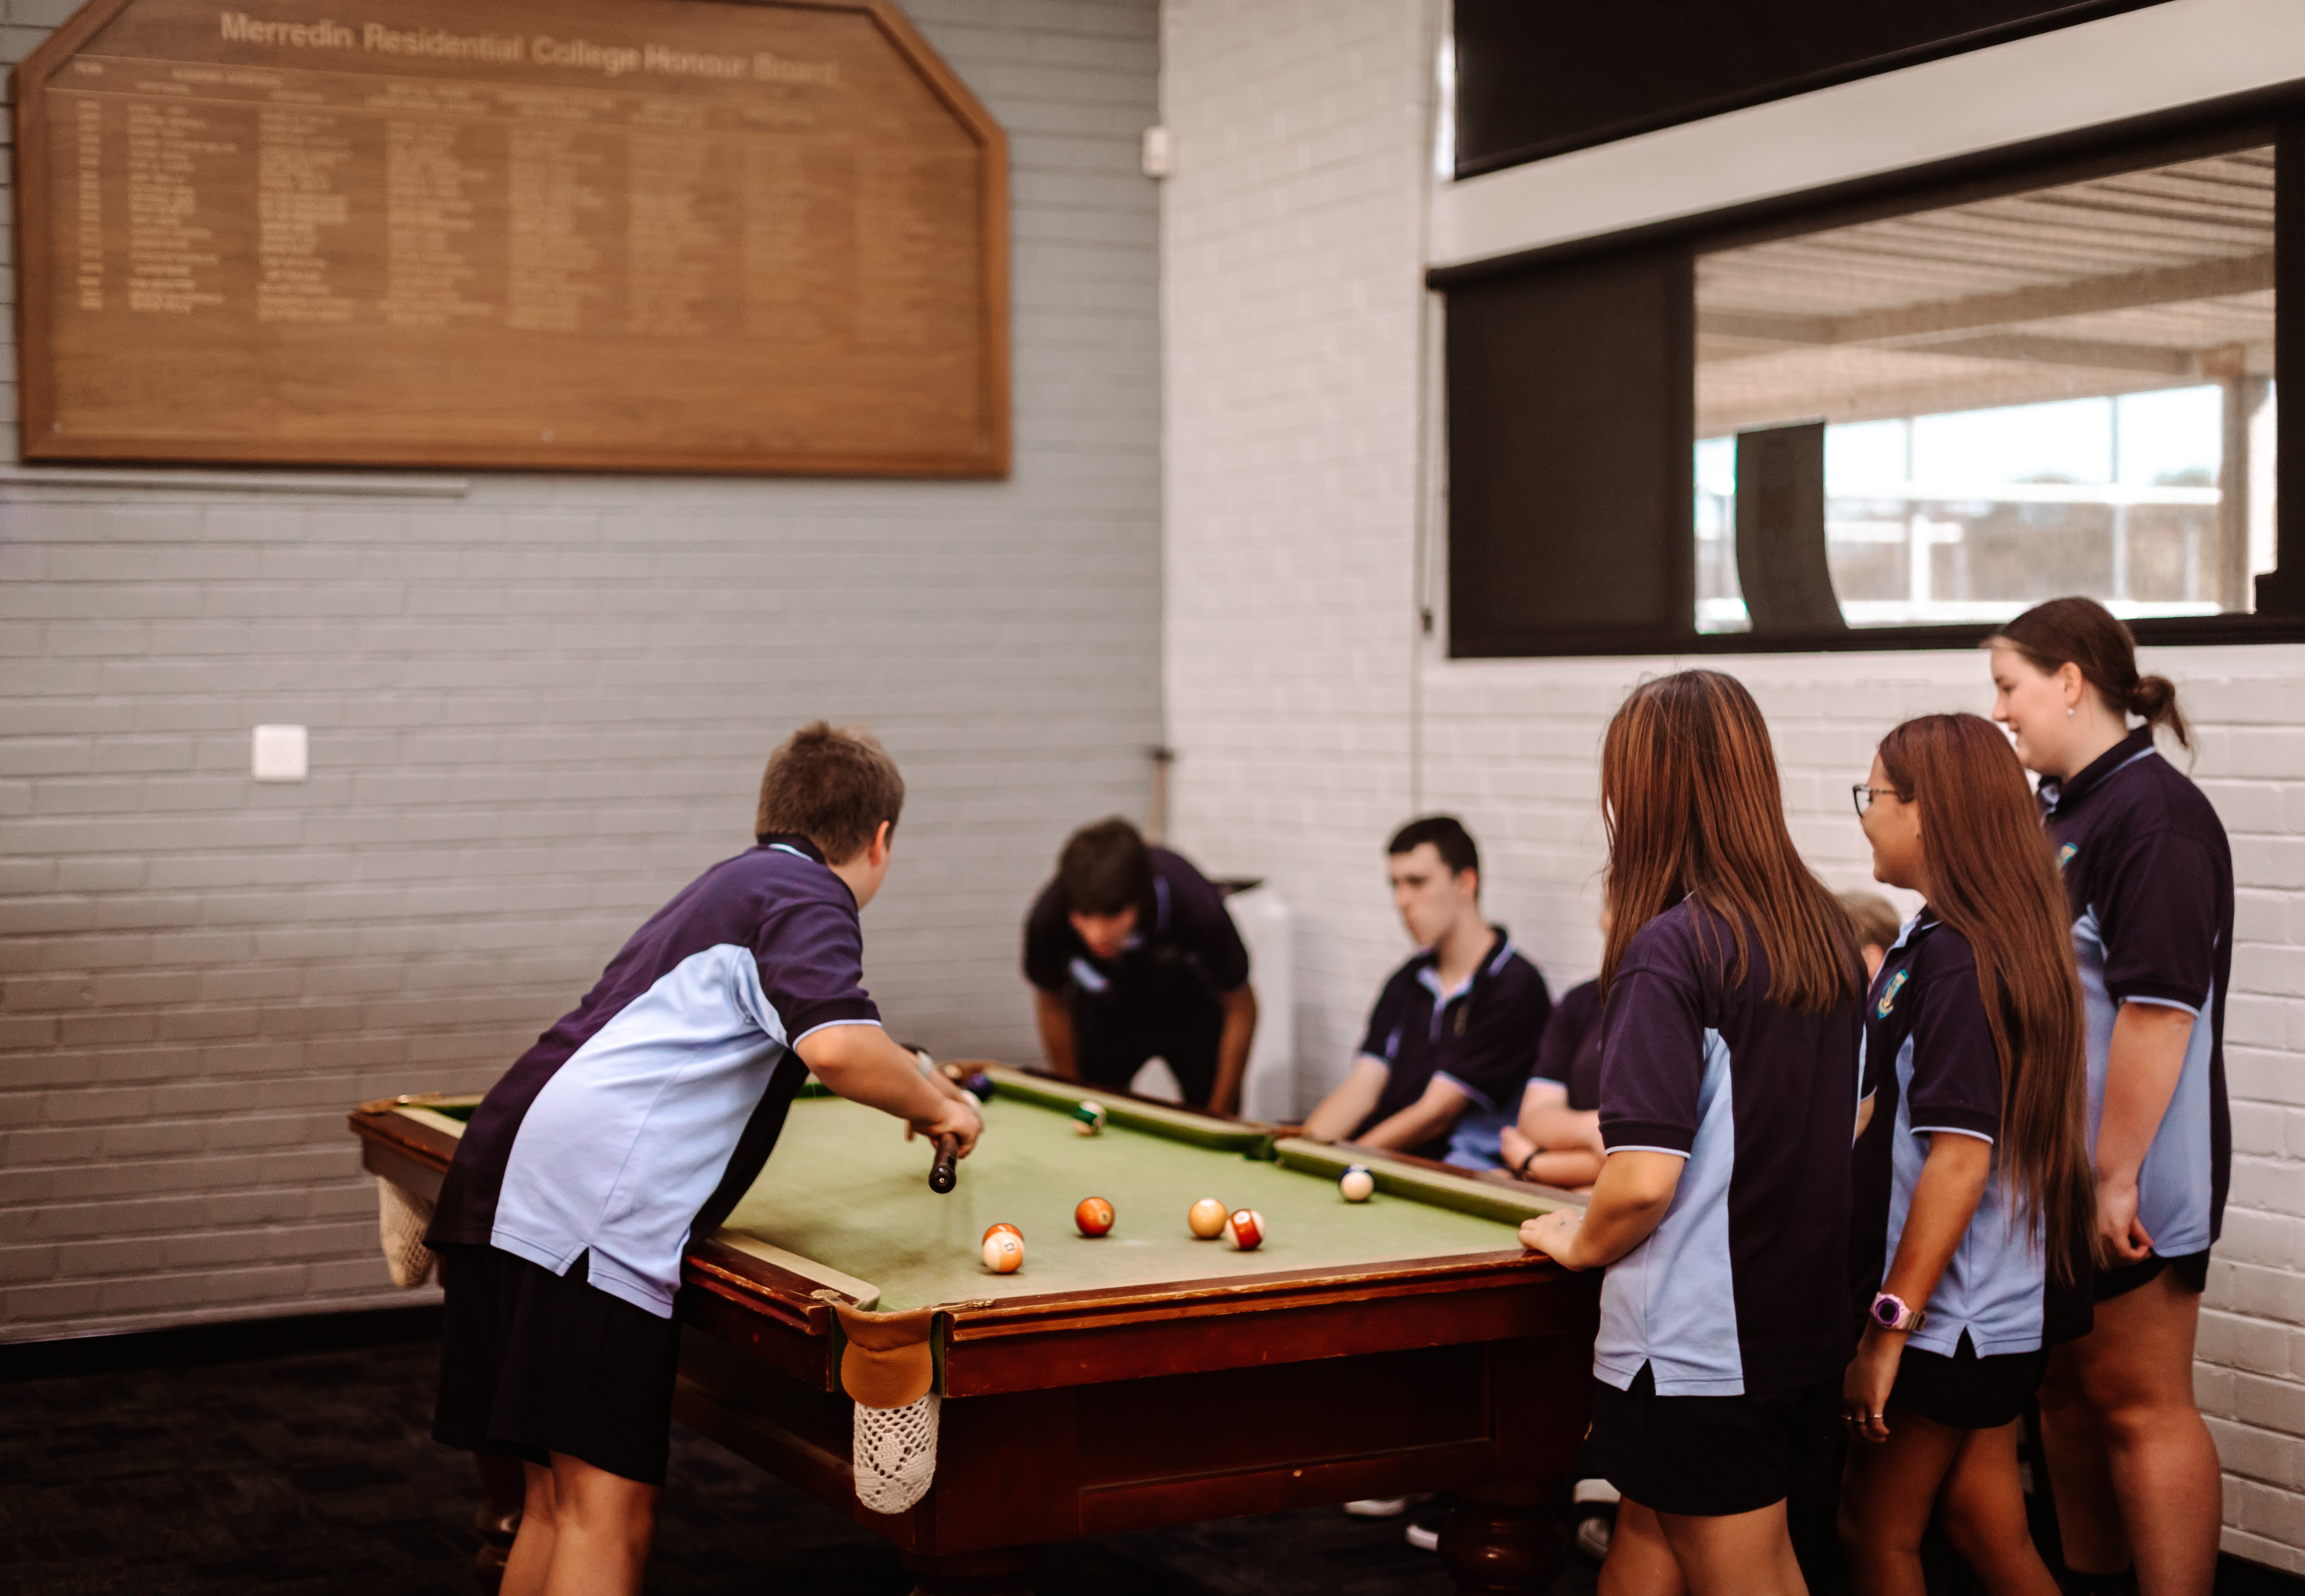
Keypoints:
pixel 1357 1185
pixel 1004 1252
pixel 1093 1216
pixel 1247 1229
pixel 1207 1218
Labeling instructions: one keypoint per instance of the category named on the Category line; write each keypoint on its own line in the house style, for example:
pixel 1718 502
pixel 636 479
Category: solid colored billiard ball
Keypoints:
pixel 1088 1118
pixel 1357 1185
pixel 1207 1218
pixel 1093 1216
pixel 1003 1225
pixel 1247 1229
pixel 1004 1251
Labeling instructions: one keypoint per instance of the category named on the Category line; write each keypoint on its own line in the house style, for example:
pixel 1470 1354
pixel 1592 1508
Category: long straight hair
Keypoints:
pixel 1690 801
pixel 1992 878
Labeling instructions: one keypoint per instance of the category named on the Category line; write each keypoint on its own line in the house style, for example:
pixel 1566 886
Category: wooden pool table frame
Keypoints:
pixel 1083 1413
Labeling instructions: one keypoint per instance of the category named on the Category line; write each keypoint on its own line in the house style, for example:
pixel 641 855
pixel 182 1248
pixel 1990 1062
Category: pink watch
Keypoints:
pixel 1891 1312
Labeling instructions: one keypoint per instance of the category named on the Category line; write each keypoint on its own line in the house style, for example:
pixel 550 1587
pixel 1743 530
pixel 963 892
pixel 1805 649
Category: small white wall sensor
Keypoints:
pixel 1160 152
pixel 280 753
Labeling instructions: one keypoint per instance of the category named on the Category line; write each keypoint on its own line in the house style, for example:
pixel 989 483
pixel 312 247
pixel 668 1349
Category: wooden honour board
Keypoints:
pixel 769 235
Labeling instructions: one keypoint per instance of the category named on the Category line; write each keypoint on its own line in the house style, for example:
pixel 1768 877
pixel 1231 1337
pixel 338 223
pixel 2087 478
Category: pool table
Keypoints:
pixel 1139 1378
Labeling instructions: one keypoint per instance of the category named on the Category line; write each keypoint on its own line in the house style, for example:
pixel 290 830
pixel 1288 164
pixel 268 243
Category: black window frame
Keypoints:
pixel 2275 116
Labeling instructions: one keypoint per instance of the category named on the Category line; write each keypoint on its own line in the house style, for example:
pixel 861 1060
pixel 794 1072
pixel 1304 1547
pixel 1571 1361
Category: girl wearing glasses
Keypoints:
pixel 1973 1202
pixel 1728 1088
pixel 2150 889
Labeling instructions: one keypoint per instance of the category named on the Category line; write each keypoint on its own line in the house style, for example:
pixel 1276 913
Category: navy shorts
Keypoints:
pixel 533 1362
pixel 1710 1456
pixel 2191 1270
pixel 1965 1391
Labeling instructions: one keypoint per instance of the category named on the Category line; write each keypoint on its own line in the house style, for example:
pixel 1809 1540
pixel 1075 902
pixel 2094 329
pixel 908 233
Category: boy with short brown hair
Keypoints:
pixel 636 1122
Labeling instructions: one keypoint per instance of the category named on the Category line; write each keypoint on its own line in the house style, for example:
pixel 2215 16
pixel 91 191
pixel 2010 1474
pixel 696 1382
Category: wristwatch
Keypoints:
pixel 1891 1312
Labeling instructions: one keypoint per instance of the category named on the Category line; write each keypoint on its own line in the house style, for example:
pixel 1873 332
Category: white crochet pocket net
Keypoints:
pixel 894 1453
pixel 401 1220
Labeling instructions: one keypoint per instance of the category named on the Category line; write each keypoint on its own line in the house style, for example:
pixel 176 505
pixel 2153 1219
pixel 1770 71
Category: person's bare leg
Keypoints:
pixel 1737 1554
pixel 1639 1563
pixel 604 1526
pixel 531 1558
pixel 2081 1479
pixel 1983 1505
pixel 2137 1370
pixel 1886 1495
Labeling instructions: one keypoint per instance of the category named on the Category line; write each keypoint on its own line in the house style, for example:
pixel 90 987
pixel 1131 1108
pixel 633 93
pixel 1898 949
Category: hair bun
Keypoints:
pixel 2152 698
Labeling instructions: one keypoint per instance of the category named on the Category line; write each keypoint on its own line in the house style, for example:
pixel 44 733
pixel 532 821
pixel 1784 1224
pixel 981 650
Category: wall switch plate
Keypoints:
pixel 280 753
pixel 1159 153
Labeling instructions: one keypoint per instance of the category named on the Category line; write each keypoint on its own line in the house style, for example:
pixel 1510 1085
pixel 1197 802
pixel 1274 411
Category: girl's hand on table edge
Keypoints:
pixel 1554 1234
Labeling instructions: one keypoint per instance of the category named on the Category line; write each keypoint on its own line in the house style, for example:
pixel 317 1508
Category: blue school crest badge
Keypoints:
pixel 1889 994
pixel 2066 853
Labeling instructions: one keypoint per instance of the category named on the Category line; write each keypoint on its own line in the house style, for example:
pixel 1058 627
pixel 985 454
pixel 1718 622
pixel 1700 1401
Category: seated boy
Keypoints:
pixel 1454 1032
pixel 637 1121
pixel 1556 1142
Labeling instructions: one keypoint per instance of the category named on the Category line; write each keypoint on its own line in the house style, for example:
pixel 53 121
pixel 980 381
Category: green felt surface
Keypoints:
pixel 844 1189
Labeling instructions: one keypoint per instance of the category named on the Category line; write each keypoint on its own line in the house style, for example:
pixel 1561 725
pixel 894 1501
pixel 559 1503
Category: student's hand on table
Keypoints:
pixel 1864 1389
pixel 2125 1240
pixel 1554 1234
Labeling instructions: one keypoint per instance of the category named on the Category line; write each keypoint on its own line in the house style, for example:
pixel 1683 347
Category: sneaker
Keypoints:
pixel 1423 1537
pixel 1424 1530
pixel 1377 1507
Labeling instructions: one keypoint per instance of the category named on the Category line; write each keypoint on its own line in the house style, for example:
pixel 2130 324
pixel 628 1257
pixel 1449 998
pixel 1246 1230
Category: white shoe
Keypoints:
pixel 1423 1537
pixel 1377 1507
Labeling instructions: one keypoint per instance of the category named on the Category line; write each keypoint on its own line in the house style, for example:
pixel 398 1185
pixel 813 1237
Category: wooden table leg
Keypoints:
pixel 999 1572
pixel 1503 1540
pixel 504 1491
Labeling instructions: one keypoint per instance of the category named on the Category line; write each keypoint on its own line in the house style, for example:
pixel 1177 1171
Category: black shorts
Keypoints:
pixel 1965 1391
pixel 1709 1457
pixel 2192 1269
pixel 1112 1040
pixel 533 1362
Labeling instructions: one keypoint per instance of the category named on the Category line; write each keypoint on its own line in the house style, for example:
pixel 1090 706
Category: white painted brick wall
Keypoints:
pixel 536 711
pixel 1292 293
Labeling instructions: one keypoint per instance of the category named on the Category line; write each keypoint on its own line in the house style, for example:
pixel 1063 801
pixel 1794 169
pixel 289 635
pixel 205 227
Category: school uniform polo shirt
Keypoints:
pixel 1568 1055
pixel 1481 1036
pixel 1743 1288
pixel 644 1115
pixel 2148 875
pixel 1185 944
pixel 1930 1070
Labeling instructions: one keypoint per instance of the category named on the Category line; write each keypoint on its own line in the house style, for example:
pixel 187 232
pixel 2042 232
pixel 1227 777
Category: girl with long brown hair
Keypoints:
pixel 1728 1094
pixel 1974 1205
pixel 2148 884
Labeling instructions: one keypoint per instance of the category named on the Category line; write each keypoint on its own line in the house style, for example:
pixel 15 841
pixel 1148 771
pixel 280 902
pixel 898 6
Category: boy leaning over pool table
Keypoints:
pixel 637 1121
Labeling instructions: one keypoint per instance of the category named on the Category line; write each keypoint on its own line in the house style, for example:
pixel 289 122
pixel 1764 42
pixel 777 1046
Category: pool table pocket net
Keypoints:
pixel 888 1369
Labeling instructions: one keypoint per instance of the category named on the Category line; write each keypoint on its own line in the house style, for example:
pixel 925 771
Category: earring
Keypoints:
pixel 2069 711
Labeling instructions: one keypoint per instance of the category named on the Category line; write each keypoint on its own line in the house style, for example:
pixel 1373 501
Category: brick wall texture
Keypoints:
pixel 537 706
pixel 1310 716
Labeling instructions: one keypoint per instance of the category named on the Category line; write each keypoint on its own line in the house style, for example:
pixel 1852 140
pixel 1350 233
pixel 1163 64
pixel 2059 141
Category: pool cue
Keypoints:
pixel 945 1173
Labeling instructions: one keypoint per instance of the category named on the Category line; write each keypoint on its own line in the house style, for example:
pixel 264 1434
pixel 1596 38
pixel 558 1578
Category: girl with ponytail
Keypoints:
pixel 2149 892
pixel 1973 1204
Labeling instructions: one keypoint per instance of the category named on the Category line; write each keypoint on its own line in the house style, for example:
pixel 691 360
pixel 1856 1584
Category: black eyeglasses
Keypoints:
pixel 1864 796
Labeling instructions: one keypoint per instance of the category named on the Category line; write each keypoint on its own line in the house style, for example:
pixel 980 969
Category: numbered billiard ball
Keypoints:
pixel 1004 1225
pixel 1093 1216
pixel 1088 1118
pixel 1247 1229
pixel 1357 1185
pixel 1207 1218
pixel 1004 1251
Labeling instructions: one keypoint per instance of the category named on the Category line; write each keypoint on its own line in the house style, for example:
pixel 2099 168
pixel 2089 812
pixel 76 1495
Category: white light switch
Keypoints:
pixel 281 753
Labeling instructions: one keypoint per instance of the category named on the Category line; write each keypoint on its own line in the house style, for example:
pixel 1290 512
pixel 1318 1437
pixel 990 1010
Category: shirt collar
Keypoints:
pixel 2055 795
pixel 791 842
pixel 1428 966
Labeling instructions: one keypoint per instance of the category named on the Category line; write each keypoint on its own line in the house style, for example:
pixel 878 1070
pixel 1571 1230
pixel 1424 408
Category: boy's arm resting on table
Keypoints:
pixel 1232 1048
pixel 861 1063
pixel 1055 1018
pixel 2142 1066
pixel 1350 1103
pixel 1435 1109
pixel 1629 1202
pixel 1944 1200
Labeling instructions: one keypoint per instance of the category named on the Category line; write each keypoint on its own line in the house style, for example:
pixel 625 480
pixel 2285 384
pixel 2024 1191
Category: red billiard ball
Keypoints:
pixel 1247 1227
pixel 1093 1216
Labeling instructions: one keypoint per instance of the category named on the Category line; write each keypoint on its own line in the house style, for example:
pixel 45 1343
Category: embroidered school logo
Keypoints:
pixel 2066 853
pixel 1890 995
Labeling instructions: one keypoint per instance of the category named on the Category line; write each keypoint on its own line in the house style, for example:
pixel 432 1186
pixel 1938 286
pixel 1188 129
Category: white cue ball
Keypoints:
pixel 1357 1185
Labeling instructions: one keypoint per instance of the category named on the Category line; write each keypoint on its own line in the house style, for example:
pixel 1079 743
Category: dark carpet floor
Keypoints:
pixel 315 1473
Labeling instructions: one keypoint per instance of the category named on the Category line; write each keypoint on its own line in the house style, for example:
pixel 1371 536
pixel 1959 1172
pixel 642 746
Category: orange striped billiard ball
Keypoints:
pixel 1093 1216
pixel 1247 1229
pixel 1003 1250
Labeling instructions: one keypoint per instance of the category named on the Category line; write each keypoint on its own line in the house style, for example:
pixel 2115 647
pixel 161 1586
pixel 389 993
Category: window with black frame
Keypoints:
pixel 1887 422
